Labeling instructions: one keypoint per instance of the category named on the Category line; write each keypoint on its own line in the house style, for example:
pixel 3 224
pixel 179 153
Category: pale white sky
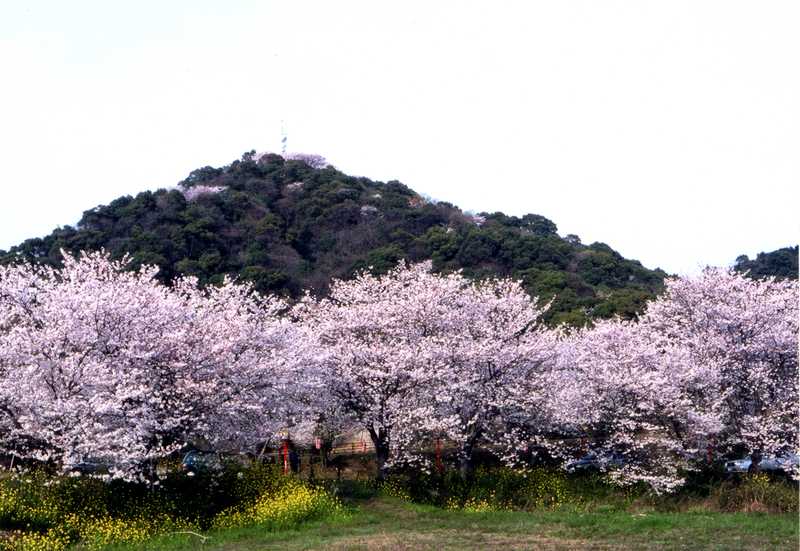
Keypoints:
pixel 669 130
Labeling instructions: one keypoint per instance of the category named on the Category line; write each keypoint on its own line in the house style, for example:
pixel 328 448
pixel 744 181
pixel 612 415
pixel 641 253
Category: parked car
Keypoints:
pixel 784 463
pixel 596 461
pixel 90 466
pixel 198 461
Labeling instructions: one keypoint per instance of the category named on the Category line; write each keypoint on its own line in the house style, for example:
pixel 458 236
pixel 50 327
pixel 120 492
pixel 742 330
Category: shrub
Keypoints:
pixel 503 488
pixel 756 493
pixel 488 489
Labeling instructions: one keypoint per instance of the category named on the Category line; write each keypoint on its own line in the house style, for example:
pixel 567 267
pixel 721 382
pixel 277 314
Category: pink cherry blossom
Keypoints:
pixel 98 362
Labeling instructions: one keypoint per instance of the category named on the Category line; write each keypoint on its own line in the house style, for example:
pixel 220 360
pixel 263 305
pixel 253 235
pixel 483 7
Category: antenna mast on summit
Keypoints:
pixel 284 139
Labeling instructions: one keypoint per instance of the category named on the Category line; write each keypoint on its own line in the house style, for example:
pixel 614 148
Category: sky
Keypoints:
pixel 668 130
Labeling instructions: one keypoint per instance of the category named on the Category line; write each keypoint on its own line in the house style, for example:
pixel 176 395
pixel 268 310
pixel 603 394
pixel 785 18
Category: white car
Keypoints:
pixel 785 463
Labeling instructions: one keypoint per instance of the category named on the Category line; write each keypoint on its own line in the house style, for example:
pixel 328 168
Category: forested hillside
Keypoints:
pixel 780 263
pixel 293 224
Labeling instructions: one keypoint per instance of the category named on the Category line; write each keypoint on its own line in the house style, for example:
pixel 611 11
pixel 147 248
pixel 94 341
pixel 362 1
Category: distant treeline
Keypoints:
pixel 780 263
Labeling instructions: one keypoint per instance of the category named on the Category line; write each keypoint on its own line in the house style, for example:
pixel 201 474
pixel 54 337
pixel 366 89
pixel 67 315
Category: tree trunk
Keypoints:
pixel 381 442
pixel 381 457
pixel 755 462
pixel 465 464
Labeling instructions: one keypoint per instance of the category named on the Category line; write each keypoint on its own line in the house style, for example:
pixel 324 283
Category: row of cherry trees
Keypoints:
pixel 99 362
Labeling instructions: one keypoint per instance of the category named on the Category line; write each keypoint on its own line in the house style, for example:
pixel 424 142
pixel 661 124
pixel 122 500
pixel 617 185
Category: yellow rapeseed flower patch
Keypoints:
pixel 393 488
pixel 290 505
pixel 44 513
pixel 34 541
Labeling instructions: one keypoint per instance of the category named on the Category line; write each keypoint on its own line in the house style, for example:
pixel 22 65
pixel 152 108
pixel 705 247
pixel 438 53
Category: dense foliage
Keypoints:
pixel 779 263
pixel 293 224
pixel 503 489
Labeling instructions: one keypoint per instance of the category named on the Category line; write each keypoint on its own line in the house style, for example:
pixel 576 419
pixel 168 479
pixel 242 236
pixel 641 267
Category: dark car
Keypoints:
pixel 197 461
pixel 90 466
pixel 594 461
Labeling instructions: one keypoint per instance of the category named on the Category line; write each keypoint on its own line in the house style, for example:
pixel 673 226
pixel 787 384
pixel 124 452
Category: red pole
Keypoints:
pixel 286 457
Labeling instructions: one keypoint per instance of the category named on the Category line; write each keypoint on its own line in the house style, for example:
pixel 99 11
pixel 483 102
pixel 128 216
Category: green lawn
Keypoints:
pixel 384 523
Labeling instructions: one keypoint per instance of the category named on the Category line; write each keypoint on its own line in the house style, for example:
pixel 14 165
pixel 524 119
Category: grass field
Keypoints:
pixel 386 523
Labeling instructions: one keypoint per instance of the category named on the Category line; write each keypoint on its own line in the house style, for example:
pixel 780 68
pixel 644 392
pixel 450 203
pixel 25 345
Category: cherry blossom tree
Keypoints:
pixel 192 193
pixel 497 359
pixel 376 333
pixel 747 330
pixel 413 356
pixel 712 360
pixel 639 405
pixel 99 362
pixel 311 159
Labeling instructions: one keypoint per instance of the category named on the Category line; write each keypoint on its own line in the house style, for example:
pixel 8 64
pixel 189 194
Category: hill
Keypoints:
pixel 780 263
pixel 293 224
